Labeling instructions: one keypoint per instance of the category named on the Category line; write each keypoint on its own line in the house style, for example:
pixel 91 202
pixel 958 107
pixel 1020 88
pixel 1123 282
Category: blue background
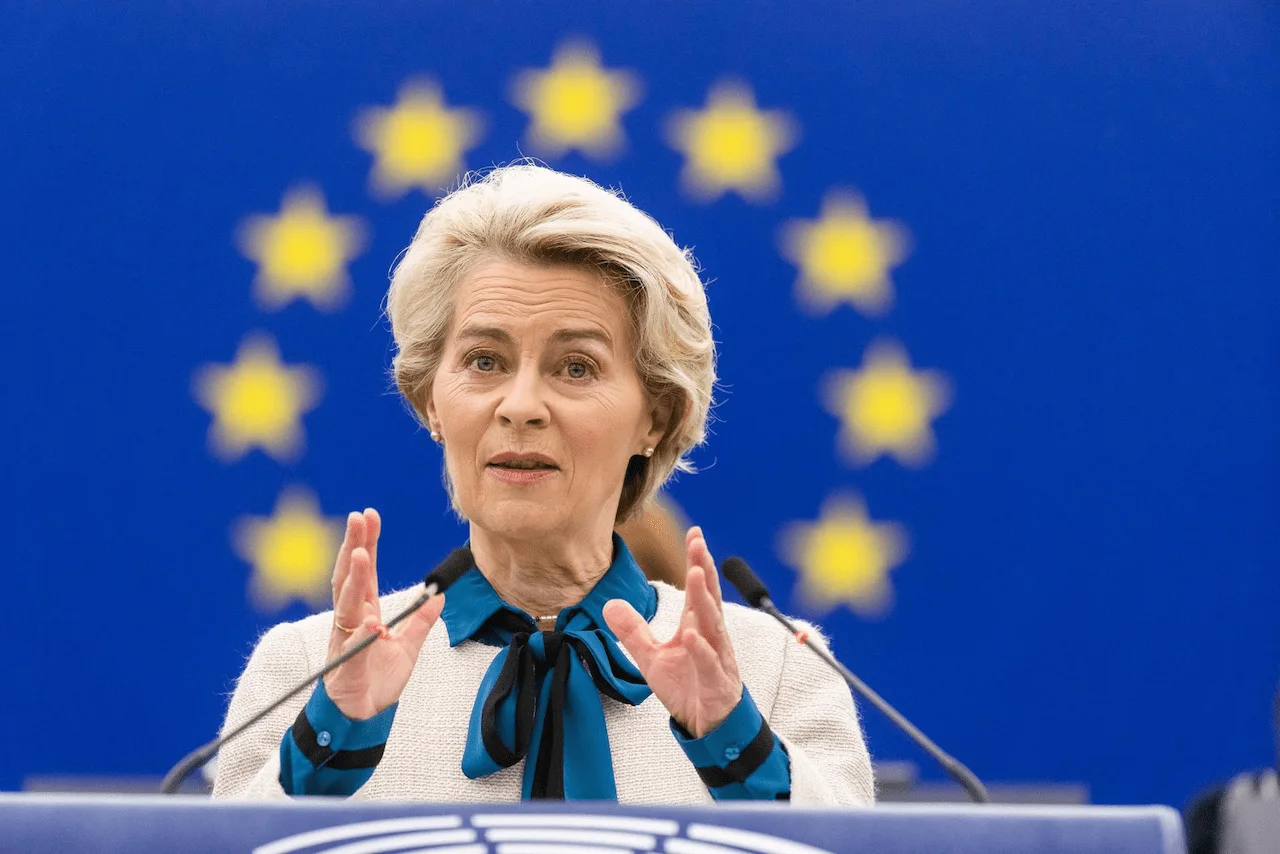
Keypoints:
pixel 1092 591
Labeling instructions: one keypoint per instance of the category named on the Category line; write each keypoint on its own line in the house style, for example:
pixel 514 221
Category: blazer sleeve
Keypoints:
pixel 814 716
pixel 249 766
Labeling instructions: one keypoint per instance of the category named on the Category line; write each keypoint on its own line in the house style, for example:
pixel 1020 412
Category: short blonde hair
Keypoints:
pixel 525 213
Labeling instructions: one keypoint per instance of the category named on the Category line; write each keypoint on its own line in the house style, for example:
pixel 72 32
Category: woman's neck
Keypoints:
pixel 541 578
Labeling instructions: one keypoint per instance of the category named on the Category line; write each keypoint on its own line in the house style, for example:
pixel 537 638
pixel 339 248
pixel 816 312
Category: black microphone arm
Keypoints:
pixel 437 581
pixel 752 590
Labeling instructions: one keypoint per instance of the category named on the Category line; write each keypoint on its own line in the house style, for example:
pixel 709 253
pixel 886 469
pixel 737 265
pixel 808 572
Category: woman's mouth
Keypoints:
pixel 521 469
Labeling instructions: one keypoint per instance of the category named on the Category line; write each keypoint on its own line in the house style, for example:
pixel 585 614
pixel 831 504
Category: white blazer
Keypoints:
pixel 807 706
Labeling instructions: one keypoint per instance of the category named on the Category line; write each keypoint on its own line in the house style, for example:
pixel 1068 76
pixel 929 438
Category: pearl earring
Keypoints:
pixel 435 435
pixel 648 452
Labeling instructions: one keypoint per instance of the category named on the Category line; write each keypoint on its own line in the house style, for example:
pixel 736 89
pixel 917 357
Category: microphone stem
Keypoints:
pixel 954 767
pixel 198 757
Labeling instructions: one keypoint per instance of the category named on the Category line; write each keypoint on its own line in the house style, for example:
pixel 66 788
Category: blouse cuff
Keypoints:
pixel 741 759
pixel 327 753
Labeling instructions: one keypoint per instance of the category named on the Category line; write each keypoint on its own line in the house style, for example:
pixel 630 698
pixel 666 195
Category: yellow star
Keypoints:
pixel 886 408
pixel 291 552
pixel 845 557
pixel 731 145
pixel 301 252
pixel 845 255
pixel 257 401
pixel 418 142
pixel 576 104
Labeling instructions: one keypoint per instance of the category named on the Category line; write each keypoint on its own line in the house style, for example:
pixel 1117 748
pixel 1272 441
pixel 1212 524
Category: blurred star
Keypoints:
pixel 844 557
pixel 302 251
pixel 731 145
pixel 257 401
pixel 292 551
pixel 418 142
pixel 844 255
pixel 576 103
pixel 886 408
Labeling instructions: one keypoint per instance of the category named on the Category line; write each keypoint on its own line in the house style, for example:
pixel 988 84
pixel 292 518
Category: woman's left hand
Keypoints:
pixel 695 674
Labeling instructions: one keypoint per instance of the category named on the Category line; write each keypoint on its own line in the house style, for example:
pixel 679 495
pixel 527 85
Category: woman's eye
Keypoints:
pixel 578 370
pixel 484 363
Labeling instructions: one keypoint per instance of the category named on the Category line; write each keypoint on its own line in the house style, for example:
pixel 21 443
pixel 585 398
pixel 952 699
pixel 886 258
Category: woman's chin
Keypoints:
pixel 522 517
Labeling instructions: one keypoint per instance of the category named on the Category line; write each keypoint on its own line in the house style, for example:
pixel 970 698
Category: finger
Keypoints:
pixel 689 615
pixel 353 605
pixel 708 563
pixel 711 619
pixel 370 588
pixel 342 566
pixel 632 631
pixel 695 549
pixel 412 633
pixel 689 535
pixel 371 605
pixel 707 617
pixel 373 530
pixel 347 607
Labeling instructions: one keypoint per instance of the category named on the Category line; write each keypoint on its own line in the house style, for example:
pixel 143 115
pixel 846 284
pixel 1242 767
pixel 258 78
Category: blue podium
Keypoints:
pixel 36 824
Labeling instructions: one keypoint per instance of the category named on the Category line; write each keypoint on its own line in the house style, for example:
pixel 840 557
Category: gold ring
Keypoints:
pixel 341 627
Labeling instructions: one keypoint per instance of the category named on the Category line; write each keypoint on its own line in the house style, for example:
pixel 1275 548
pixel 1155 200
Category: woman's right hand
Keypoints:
pixel 373 680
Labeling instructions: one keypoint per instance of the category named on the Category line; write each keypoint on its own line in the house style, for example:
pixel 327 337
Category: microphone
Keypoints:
pixel 753 591
pixel 437 581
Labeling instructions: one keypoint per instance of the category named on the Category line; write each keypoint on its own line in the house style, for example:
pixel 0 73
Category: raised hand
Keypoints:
pixel 695 674
pixel 374 679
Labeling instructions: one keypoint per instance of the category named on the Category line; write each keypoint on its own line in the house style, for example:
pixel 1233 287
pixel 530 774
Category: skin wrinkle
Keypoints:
pixel 543 546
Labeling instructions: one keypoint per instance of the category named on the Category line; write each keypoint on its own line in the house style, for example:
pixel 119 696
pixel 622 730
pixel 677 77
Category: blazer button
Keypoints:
pixel 323 738
pixel 731 753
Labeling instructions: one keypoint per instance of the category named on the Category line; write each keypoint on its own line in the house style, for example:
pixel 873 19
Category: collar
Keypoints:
pixel 471 600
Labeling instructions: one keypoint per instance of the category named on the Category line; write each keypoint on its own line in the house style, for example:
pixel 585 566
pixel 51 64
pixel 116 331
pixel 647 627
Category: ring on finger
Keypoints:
pixel 341 627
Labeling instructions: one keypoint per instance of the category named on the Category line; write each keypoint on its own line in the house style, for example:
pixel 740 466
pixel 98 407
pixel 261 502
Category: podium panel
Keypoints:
pixel 44 824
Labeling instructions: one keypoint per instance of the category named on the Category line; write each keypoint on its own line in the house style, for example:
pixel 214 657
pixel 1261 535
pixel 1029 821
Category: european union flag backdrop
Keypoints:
pixel 995 287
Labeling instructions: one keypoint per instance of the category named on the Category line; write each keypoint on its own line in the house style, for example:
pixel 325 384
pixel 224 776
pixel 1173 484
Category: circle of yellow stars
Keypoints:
pixel 730 145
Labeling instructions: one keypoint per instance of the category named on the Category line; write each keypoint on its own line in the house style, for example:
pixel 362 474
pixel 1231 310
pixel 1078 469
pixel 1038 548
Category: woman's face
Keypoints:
pixel 538 401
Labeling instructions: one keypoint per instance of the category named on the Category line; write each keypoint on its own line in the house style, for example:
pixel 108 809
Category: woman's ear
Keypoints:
pixel 660 415
pixel 433 421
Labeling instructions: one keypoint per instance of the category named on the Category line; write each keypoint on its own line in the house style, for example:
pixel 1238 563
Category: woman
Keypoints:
pixel 556 343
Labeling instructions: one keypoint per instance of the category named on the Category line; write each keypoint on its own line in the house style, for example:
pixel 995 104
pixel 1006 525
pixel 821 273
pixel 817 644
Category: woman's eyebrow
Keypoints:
pixel 570 335
pixel 486 333
pixel 562 336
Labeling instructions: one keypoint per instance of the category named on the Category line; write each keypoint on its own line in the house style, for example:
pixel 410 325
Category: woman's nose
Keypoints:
pixel 524 400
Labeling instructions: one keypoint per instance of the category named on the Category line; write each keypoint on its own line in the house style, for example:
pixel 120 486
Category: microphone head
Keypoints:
pixel 748 584
pixel 450 569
